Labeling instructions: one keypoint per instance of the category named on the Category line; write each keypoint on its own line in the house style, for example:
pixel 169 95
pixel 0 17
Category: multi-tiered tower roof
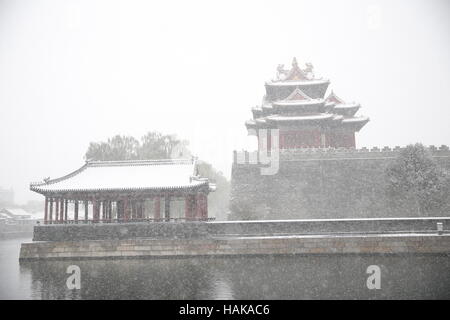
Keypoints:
pixel 295 104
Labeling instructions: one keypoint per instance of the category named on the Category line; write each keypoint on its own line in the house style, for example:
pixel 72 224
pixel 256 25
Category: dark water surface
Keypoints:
pixel 298 277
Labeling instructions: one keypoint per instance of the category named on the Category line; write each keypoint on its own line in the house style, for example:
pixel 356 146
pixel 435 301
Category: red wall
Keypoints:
pixel 295 139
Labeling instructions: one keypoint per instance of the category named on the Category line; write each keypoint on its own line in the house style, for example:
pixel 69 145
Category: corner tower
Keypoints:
pixel 295 104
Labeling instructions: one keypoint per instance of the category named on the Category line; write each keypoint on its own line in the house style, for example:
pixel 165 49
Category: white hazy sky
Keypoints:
pixel 72 72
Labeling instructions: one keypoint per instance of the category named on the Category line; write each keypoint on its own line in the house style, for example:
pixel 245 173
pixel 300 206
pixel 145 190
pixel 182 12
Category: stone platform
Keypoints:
pixel 232 246
pixel 230 238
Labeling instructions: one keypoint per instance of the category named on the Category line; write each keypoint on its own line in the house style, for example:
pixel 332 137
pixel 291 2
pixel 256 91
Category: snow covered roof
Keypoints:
pixel 298 97
pixel 347 105
pixel 15 212
pixel 297 82
pixel 356 122
pixel 4 216
pixel 355 119
pixel 126 175
pixel 322 116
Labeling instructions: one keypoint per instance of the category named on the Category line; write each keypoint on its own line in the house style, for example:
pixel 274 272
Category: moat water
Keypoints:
pixel 278 277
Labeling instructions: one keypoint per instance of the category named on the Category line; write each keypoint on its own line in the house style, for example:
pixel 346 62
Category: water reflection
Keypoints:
pixel 297 277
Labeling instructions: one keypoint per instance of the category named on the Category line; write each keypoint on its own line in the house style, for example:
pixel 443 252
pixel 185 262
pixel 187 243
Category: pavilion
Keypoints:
pixel 127 191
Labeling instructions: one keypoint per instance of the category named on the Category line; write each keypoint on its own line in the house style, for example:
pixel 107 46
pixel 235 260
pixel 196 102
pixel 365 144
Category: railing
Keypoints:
pixel 145 220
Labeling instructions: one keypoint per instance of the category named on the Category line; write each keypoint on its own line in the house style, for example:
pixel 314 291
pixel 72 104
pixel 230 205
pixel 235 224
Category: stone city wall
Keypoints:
pixel 320 183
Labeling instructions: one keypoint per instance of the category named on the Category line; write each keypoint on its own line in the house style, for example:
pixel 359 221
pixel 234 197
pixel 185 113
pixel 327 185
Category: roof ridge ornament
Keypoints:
pixel 296 73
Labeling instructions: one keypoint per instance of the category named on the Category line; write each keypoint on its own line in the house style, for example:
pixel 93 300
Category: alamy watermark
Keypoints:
pixel 374 17
pixel 374 280
pixel 73 282
pixel 267 155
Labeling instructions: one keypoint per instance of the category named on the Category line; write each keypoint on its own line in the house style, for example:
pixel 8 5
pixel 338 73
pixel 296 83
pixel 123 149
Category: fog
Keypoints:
pixel 72 72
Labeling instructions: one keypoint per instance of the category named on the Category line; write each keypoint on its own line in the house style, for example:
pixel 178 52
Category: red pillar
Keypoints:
pixel 66 205
pixel 167 200
pixel 187 207
pixel 61 210
pixel 51 211
pixel 198 205
pixel 106 203
pixel 96 211
pixel 56 210
pixel 157 214
pixel 201 207
pixel 46 211
pixel 86 210
pixel 140 211
pixel 126 209
pixel 109 210
pixel 76 211
pixel 205 207
pixel 133 210
pixel 103 210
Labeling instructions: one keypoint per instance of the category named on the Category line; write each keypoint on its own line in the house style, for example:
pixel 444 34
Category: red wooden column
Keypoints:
pixel 66 205
pixel 137 206
pixel 104 210
pixel 132 209
pixel 50 214
pixel 56 210
pixel 75 214
pixel 205 207
pixel 106 203
pixel 126 209
pixel 86 210
pixel 46 211
pixel 61 210
pixel 109 210
pixel 95 211
pixel 157 213
pixel 198 206
pixel 188 207
pixel 141 209
pixel 202 206
pixel 167 200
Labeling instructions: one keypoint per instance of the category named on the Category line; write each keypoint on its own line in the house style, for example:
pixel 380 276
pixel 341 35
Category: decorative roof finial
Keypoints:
pixel 294 62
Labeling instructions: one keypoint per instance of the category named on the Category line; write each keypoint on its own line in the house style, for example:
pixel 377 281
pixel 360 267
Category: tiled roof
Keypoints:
pixel 126 175
pixel 14 212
